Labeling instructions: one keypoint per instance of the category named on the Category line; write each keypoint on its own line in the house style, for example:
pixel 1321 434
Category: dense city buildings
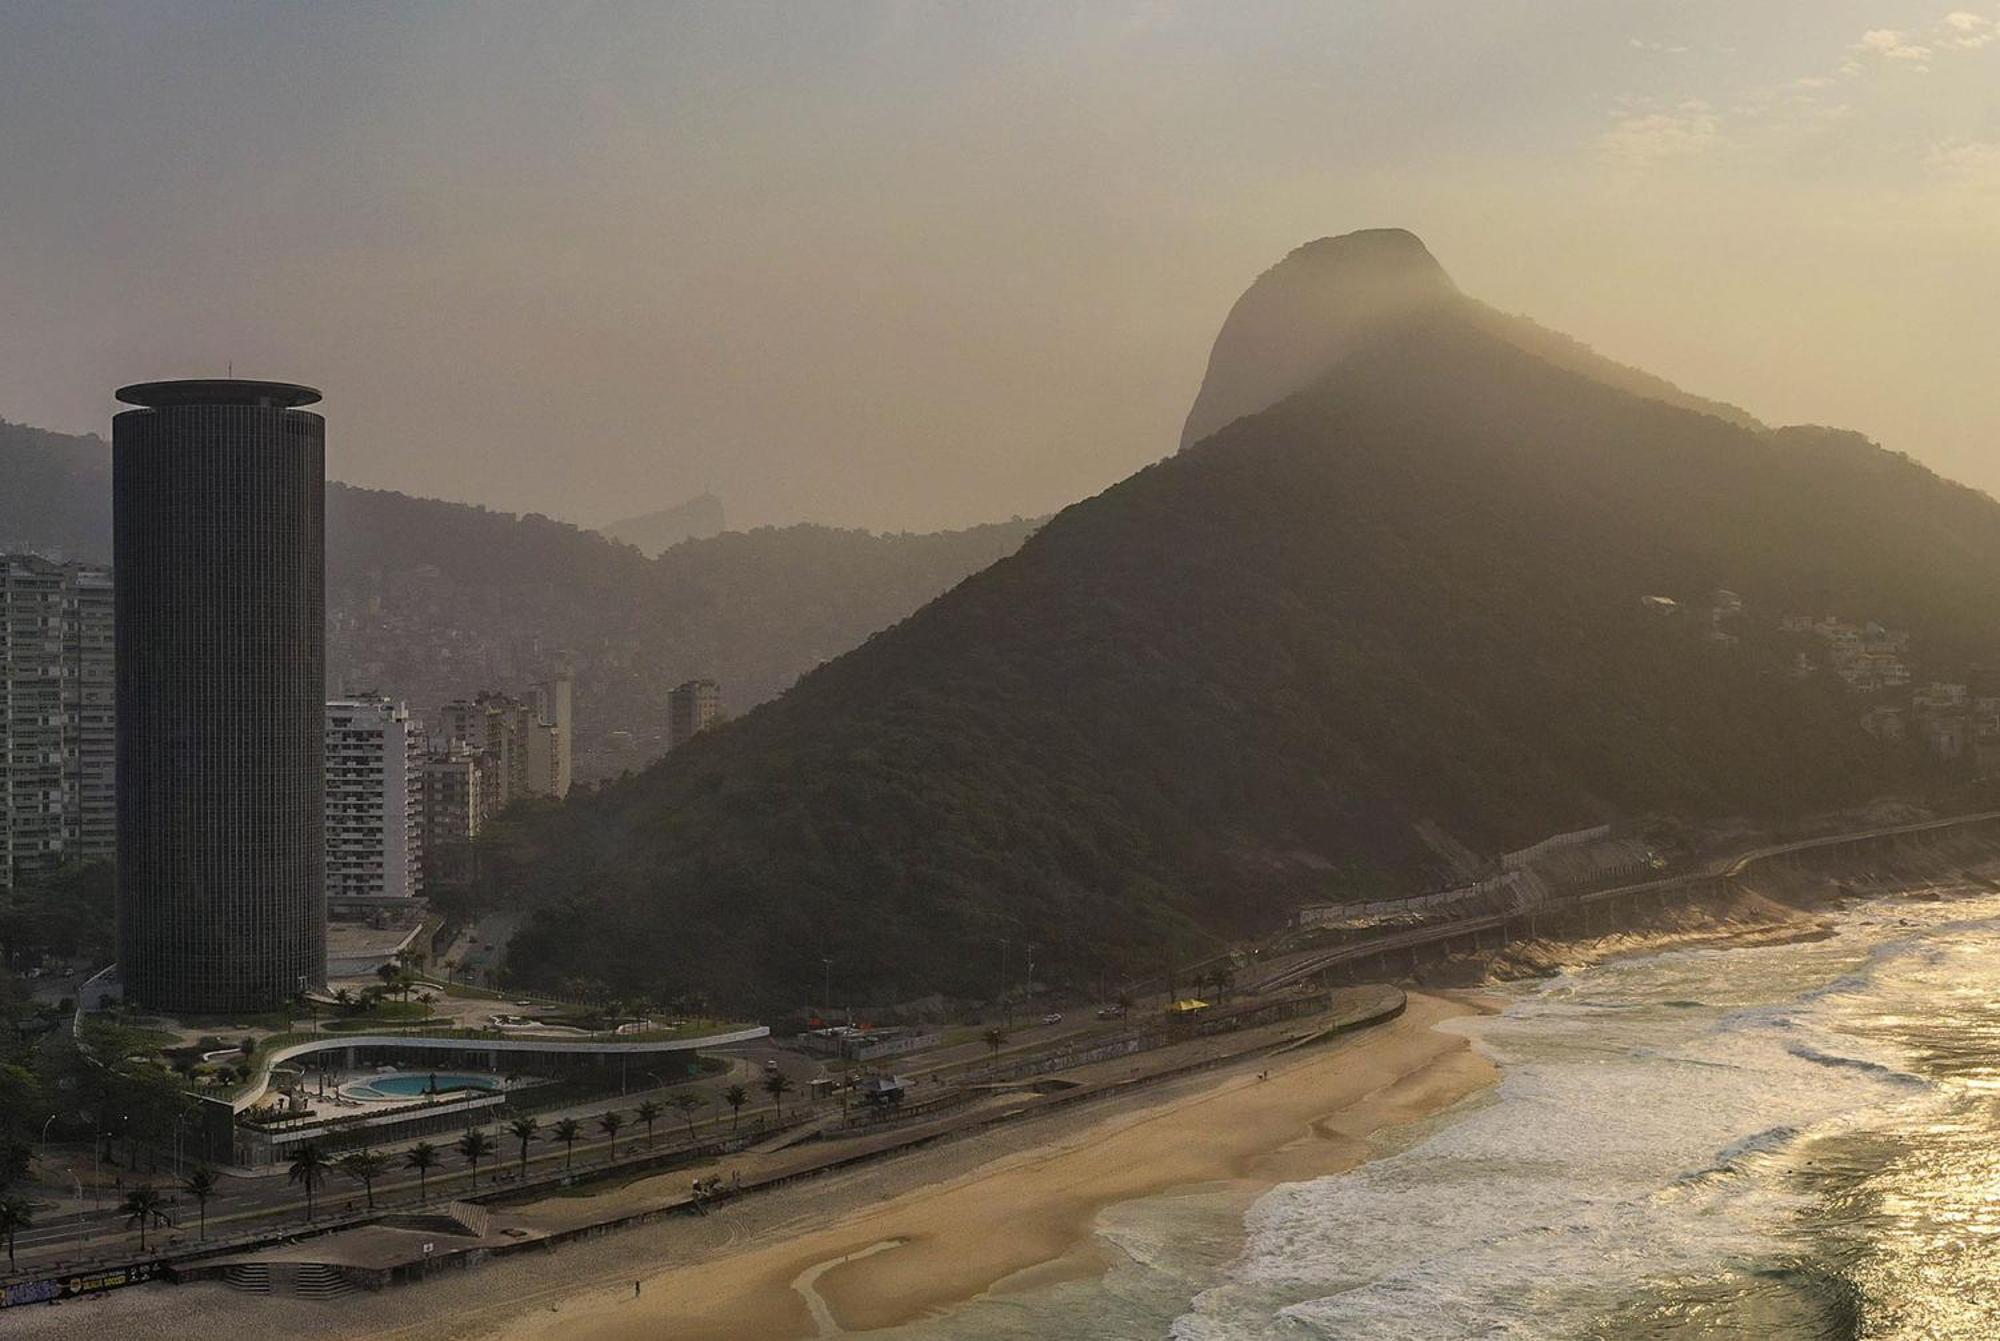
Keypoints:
pixel 459 784
pixel 530 740
pixel 374 798
pixel 692 708
pixel 218 492
pixel 57 717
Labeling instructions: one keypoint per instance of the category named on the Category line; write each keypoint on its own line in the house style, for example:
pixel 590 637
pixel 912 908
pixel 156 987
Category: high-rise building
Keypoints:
pixel 555 711
pixel 218 491
pixel 491 724
pixel 374 798
pixel 692 708
pixel 57 717
pixel 458 787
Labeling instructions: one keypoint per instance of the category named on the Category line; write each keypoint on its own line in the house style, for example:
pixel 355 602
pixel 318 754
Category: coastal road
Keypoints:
pixel 1723 868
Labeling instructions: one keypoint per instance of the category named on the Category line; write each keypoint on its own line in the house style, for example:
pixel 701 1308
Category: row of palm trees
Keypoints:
pixel 145 1207
pixel 310 1166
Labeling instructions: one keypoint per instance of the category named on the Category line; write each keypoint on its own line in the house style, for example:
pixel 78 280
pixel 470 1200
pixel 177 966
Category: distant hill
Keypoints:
pixel 1409 590
pixel 428 600
pixel 697 519
pixel 55 493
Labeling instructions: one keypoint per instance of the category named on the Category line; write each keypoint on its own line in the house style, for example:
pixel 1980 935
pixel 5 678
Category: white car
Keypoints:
pixel 1053 1017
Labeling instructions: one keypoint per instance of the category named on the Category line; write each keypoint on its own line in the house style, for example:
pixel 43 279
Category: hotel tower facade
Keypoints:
pixel 220 559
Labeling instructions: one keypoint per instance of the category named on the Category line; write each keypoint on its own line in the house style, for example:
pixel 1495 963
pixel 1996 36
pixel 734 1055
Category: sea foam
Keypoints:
pixel 1638 1135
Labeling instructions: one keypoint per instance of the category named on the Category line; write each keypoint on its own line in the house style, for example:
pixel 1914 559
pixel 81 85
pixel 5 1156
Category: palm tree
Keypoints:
pixel 735 1096
pixel 567 1131
pixel 996 1039
pixel 475 1145
pixel 364 1167
pixel 201 1185
pixel 143 1207
pixel 15 1215
pixel 309 1168
pixel 423 1157
pixel 776 1085
pixel 609 1122
pixel 524 1129
pixel 687 1104
pixel 648 1113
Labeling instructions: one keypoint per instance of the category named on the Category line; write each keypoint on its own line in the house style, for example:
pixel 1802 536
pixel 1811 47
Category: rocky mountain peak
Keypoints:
pixel 1306 313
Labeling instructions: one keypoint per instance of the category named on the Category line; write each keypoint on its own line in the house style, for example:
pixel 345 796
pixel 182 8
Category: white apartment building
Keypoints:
pixel 58 715
pixel 554 704
pixel 374 798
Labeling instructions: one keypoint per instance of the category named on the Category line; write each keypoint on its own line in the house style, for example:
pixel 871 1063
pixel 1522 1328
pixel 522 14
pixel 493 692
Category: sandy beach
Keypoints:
pixel 929 1249
pixel 904 1239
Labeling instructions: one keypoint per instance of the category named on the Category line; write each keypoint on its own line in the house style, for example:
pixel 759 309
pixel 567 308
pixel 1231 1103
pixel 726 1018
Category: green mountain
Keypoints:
pixel 1410 589
pixel 429 600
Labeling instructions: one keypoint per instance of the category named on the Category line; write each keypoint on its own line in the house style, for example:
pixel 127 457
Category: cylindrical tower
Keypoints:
pixel 219 506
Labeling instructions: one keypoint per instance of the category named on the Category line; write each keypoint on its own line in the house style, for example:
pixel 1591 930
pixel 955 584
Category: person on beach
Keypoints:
pixel 635 1289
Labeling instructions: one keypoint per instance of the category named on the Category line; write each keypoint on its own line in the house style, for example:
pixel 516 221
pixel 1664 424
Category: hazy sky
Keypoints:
pixel 925 264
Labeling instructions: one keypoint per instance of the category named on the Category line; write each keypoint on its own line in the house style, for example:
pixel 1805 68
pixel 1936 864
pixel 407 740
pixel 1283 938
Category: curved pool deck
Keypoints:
pixel 593 1045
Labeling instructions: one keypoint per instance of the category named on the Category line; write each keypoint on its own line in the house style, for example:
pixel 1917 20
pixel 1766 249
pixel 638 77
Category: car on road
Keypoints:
pixel 1053 1017
pixel 1111 1013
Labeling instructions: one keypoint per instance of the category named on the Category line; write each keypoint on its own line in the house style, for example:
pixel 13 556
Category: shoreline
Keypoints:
pixel 905 1260
pixel 1782 905
pixel 925 1251
pixel 789 1262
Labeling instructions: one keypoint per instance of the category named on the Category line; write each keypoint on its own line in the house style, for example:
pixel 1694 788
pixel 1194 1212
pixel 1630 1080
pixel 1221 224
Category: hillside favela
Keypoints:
pixel 1114 671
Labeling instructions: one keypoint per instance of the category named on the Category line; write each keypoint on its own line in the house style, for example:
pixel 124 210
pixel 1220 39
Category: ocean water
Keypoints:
pixel 1782 1141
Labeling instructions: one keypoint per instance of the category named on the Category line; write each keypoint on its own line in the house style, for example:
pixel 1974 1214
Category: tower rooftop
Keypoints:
pixel 217 391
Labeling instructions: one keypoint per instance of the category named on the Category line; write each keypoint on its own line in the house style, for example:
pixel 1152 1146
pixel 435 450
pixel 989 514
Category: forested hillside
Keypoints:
pixel 1238 679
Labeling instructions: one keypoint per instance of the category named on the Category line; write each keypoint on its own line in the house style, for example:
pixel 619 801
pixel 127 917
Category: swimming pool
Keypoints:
pixel 416 1084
